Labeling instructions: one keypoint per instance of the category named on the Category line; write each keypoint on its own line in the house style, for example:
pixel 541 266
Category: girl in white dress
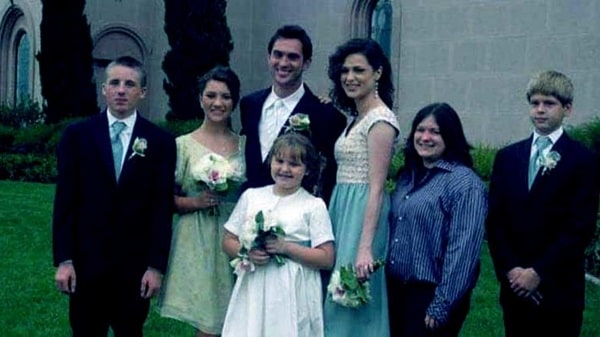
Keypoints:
pixel 273 299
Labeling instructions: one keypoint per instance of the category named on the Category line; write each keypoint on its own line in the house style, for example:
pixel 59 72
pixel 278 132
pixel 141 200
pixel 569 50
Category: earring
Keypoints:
pixel 376 88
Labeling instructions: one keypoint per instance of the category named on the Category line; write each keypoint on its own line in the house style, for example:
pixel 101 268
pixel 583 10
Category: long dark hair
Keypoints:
pixel 451 131
pixel 377 60
pixel 225 75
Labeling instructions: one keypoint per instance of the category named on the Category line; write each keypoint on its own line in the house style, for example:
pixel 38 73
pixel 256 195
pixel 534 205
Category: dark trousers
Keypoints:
pixel 96 306
pixel 522 318
pixel 408 303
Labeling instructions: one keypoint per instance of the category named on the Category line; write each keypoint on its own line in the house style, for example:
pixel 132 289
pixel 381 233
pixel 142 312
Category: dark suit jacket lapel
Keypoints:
pixel 254 116
pixel 102 138
pixel 139 130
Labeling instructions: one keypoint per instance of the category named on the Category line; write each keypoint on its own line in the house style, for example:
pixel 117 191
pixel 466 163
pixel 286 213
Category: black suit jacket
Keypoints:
pixel 326 124
pixel 547 227
pixel 110 228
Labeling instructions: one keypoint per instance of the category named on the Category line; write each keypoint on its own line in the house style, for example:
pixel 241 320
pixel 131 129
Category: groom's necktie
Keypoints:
pixel 117 147
pixel 541 143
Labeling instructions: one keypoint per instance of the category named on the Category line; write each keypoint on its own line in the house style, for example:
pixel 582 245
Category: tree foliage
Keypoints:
pixel 65 61
pixel 200 39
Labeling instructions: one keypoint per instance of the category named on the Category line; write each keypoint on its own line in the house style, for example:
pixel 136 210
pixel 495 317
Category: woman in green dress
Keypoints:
pixel 359 205
pixel 199 279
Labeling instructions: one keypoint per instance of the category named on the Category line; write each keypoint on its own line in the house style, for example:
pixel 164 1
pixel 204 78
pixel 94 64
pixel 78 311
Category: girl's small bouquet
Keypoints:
pixel 216 172
pixel 347 290
pixel 254 234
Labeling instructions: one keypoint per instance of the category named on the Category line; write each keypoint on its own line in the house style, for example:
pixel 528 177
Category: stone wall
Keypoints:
pixel 476 55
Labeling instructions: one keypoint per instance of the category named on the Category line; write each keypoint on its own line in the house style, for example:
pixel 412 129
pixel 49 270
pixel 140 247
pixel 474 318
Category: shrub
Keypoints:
pixel 180 127
pixel 26 113
pixel 588 134
pixel 28 167
pixel 483 160
pixel 7 138
pixel 592 253
pixel 33 139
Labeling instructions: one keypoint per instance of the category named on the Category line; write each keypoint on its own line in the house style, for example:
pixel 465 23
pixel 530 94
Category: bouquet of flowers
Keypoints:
pixel 216 172
pixel 254 234
pixel 347 290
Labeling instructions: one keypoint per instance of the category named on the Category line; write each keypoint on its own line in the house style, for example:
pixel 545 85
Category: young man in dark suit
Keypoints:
pixel 542 214
pixel 265 113
pixel 112 210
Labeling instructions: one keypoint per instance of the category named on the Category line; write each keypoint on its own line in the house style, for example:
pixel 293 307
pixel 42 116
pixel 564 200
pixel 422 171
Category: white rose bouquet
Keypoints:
pixel 216 172
pixel 254 233
pixel 347 290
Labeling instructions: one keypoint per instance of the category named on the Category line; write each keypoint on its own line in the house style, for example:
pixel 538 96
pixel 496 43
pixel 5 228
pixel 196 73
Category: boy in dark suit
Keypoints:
pixel 265 113
pixel 112 210
pixel 542 214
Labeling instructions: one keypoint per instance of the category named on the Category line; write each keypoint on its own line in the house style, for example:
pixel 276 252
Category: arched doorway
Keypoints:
pixel 110 44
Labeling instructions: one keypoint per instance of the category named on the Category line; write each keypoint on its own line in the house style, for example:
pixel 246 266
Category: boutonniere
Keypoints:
pixel 548 161
pixel 298 123
pixel 139 147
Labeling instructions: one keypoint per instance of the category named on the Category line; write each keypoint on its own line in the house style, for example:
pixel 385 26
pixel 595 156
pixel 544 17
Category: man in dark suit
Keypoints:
pixel 265 113
pixel 112 210
pixel 542 214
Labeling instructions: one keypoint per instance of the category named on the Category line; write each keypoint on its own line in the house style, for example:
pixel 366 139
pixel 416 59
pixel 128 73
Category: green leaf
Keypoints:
pixel 259 219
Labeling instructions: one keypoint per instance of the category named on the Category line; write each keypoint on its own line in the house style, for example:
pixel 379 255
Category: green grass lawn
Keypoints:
pixel 30 306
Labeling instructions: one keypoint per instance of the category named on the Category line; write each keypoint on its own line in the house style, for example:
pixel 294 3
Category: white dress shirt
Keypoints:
pixel 275 112
pixel 554 136
pixel 125 135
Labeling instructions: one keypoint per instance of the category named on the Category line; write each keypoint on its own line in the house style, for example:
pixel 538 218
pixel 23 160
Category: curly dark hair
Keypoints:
pixel 451 131
pixel 377 60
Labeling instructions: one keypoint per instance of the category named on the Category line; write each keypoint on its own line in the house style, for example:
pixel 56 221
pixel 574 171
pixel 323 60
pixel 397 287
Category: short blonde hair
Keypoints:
pixel 551 83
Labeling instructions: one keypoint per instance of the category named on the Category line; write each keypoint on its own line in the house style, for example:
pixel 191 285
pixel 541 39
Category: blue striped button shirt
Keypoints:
pixel 437 227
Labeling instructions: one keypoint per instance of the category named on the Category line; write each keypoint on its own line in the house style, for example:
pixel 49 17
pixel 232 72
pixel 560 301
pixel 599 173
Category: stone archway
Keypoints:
pixel 113 42
pixel 17 64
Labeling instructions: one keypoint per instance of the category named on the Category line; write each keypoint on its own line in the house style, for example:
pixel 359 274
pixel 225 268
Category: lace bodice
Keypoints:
pixel 351 147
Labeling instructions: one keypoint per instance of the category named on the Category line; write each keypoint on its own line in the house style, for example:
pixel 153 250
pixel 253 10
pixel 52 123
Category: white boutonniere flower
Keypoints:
pixel 298 123
pixel 139 147
pixel 548 161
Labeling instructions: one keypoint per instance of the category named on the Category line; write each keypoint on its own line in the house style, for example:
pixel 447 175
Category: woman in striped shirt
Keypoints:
pixel 437 223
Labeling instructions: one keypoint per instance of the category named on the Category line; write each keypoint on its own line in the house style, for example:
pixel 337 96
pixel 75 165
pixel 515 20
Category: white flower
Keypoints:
pixel 214 170
pixel 335 287
pixel 346 289
pixel 270 222
pixel 242 264
pixel 548 161
pixel 139 147
pixel 298 122
pixel 248 234
pixel 252 235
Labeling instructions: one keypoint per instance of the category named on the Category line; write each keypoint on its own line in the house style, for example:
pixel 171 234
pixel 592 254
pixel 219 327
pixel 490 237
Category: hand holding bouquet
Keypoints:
pixel 346 289
pixel 216 172
pixel 254 234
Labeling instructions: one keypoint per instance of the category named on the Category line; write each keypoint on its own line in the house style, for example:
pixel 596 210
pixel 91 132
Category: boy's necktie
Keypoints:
pixel 117 147
pixel 541 143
